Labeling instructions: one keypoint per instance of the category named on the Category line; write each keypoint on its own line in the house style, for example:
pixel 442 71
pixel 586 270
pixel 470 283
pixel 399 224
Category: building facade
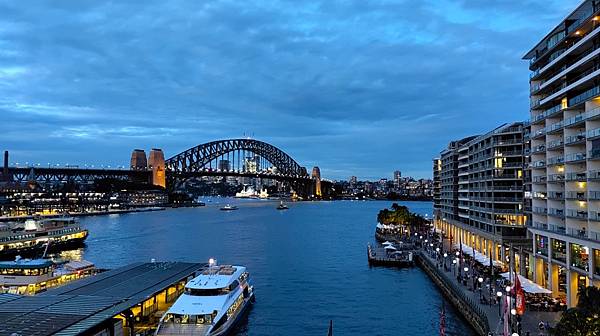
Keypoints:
pixel 565 154
pixel 481 198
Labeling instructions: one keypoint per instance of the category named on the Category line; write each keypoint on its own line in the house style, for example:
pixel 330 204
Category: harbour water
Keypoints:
pixel 308 264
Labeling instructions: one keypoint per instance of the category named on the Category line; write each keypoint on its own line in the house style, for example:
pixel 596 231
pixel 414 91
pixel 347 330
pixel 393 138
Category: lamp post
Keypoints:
pixel 499 294
pixel 445 264
pixel 466 269
pixel 480 283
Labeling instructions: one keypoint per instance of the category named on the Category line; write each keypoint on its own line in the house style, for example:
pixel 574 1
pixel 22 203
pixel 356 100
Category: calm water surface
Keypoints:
pixel 308 264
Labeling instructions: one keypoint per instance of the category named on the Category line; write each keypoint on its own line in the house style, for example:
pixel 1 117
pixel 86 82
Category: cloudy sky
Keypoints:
pixel 356 87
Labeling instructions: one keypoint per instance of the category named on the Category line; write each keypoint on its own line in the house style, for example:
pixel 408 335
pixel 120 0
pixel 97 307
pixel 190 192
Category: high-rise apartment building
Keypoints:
pixel 437 187
pixel 481 199
pixel 565 153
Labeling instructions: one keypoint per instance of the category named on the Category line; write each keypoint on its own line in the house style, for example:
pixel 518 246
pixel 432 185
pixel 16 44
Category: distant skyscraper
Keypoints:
pixel 397 178
pixel 138 160
pixel 156 163
pixel 353 180
pixel 224 165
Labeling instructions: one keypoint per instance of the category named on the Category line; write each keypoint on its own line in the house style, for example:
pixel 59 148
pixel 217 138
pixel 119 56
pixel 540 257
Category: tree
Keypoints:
pixel 584 319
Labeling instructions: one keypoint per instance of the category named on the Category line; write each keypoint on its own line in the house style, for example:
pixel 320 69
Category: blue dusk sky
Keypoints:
pixel 356 87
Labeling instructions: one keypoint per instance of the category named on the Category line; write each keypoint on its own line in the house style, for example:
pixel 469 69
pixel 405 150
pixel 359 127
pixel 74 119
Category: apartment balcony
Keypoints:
pixel 538 164
pixel 577 214
pixel 593 134
pixel 555 160
pixel 540 211
pixel 576 157
pixel 594 195
pixel 555 144
pixel 542 179
pixel 575 139
pixel 556 195
pixel 554 127
pixel 559 213
pixel 538 134
pixel 538 149
pixel 557 229
pixel 594 216
pixel 556 178
pixel 594 154
pixel 576 195
pixel 575 120
pixel 576 177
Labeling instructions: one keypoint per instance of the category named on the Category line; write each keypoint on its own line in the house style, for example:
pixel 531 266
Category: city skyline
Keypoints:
pixel 350 77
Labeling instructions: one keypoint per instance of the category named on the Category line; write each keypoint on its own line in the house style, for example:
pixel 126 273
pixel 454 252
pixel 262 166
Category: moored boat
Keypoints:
pixel 212 304
pixel 35 236
pixel 282 206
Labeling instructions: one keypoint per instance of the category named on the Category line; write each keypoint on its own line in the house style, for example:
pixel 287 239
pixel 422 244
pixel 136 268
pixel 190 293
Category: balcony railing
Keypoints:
pixel 575 157
pixel 574 138
pixel 578 214
pixel 577 177
pixel 556 213
pixel 556 178
pixel 595 153
pixel 576 195
pixel 555 160
pixel 540 210
pixel 584 96
pixel 557 228
pixel 542 179
pixel 594 195
pixel 556 195
pixel 593 174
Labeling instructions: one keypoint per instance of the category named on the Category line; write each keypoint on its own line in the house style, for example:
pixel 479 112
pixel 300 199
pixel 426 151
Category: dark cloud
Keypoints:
pixel 356 87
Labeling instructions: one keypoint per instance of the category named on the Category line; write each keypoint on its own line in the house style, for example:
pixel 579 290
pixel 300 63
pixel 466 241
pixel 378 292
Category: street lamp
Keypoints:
pixel 499 294
pixel 480 282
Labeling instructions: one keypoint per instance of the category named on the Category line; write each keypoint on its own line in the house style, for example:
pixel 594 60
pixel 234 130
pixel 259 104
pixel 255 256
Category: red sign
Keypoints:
pixel 519 296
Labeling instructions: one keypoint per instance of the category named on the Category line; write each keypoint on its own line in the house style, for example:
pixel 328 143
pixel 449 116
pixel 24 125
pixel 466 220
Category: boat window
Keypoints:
pixel 206 292
pixel 234 285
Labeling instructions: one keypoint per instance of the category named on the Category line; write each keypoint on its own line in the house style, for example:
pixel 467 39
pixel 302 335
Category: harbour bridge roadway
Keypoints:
pixel 255 159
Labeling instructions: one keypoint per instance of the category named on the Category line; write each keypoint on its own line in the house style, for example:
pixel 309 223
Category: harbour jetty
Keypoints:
pixel 388 255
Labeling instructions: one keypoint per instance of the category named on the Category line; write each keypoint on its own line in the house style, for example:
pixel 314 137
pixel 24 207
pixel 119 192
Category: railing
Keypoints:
pixel 575 138
pixel 539 132
pixel 575 119
pixel 555 160
pixel 479 316
pixel 594 195
pixel 595 153
pixel 578 195
pixel 578 214
pixel 593 133
pixel 576 177
pixel 556 213
pixel 584 96
pixel 575 157
pixel 593 174
pixel 555 143
pixel 539 164
pixel 558 195
pixel 556 178
pixel 540 179
pixel 554 127
pixel 538 149
pixel 557 229
pixel 594 216
pixel 540 211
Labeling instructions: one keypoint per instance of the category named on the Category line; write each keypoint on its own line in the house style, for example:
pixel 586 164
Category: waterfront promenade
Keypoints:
pixel 530 320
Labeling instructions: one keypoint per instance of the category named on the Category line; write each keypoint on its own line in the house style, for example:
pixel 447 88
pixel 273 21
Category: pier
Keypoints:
pixel 378 256
pixel 125 301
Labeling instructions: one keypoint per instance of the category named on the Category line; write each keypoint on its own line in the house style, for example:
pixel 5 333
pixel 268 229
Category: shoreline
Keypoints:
pixel 83 214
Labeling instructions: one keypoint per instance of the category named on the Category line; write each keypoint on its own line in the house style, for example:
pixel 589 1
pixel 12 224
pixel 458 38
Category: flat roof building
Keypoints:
pixel 565 154
pixel 127 297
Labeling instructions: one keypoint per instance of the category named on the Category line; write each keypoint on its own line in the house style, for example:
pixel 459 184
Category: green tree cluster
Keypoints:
pixel 584 319
pixel 400 215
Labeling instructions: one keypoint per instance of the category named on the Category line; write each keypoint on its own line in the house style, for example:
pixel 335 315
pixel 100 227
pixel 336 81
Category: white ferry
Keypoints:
pixel 211 304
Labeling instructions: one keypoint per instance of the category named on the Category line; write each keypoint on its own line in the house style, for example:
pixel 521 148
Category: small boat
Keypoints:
pixel 229 208
pixel 282 206
pixel 212 303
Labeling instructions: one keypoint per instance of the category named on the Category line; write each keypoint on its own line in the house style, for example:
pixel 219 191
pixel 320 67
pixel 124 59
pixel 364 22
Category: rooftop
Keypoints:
pixel 79 306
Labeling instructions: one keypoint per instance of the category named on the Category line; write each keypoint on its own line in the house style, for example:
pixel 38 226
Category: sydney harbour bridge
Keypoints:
pixel 223 158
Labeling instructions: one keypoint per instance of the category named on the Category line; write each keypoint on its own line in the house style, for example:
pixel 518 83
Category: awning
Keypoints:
pixel 387 243
pixel 390 247
pixel 528 285
pixel 478 256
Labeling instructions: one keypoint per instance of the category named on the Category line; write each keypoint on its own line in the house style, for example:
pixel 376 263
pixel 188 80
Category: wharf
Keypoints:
pixel 81 214
pixel 377 256
pixel 125 301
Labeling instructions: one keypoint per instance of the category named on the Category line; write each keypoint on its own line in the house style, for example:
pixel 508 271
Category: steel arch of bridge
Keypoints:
pixel 195 159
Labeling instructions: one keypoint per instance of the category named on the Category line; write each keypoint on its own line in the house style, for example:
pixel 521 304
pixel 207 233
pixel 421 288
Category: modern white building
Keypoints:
pixel 565 154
